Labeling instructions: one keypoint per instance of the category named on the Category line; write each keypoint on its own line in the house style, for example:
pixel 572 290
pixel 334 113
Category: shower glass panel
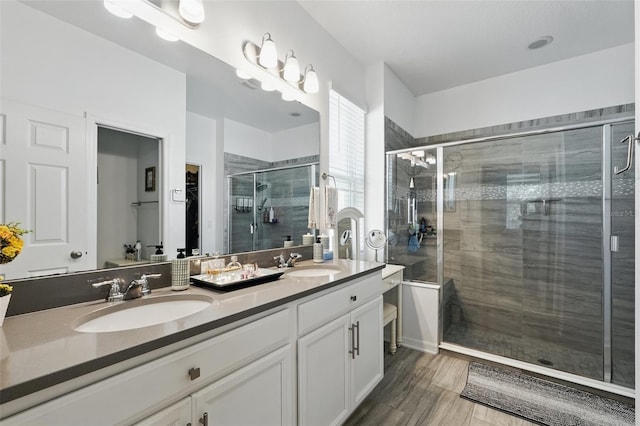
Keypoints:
pixel 241 190
pixel 523 249
pixel 622 261
pixel 269 205
pixel 412 213
pixel 528 273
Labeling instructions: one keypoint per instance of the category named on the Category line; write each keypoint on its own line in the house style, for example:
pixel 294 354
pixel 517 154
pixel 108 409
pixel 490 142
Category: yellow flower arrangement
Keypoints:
pixel 10 242
pixel 5 290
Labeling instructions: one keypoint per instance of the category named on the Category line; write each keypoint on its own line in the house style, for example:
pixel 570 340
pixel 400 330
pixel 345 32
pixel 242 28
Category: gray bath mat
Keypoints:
pixel 541 401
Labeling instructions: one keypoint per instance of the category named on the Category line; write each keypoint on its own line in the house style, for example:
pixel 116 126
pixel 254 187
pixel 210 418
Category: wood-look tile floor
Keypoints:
pixel 424 389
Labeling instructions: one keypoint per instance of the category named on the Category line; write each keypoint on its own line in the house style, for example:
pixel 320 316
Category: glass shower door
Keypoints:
pixel 622 218
pixel 241 213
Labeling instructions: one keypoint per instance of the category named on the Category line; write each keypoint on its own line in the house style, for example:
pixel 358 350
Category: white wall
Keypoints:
pixel 399 102
pixel 117 189
pixel 585 82
pixel 301 141
pixel 202 150
pixel 49 63
pixel 241 139
pixel 374 186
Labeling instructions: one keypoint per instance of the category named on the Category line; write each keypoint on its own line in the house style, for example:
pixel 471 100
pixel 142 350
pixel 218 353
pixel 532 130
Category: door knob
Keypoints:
pixel 76 254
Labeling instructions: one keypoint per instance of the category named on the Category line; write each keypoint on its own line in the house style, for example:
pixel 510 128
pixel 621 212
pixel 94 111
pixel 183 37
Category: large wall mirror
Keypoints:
pixel 230 130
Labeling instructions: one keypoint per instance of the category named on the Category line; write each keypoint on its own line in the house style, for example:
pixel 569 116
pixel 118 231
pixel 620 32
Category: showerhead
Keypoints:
pixel 261 186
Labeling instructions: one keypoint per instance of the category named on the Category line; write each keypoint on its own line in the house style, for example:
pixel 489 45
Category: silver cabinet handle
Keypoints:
pixel 357 348
pixel 204 421
pixel 76 254
pixel 630 139
pixel 353 341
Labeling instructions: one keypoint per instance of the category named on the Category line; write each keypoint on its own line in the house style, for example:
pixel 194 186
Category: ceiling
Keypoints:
pixel 435 45
pixel 430 45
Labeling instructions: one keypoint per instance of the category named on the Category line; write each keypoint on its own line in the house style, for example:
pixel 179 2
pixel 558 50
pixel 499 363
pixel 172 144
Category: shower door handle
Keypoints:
pixel 251 228
pixel 629 140
pixel 614 246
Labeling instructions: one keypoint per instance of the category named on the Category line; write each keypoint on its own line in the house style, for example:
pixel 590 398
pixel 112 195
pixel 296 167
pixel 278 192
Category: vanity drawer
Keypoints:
pixel 325 308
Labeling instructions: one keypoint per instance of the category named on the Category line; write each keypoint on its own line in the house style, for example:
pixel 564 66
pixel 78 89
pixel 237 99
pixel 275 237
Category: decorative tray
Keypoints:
pixel 263 276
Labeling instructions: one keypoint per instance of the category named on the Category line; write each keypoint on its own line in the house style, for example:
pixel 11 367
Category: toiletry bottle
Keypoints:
pixel 272 215
pixel 138 250
pixel 181 253
pixel 234 268
pixel 317 252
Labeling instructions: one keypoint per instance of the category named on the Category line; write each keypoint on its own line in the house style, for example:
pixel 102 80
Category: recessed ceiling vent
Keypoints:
pixel 541 42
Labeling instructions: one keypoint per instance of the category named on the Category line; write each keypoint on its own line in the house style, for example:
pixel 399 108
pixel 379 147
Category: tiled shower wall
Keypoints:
pixel 285 191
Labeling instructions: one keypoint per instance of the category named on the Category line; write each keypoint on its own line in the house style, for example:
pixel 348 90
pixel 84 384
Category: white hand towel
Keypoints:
pixel 314 207
pixel 331 207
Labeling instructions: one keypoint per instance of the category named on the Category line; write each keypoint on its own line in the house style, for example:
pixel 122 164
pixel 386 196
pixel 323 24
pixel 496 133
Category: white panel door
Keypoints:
pixel 259 394
pixel 178 414
pixel 43 158
pixel 324 365
pixel 368 366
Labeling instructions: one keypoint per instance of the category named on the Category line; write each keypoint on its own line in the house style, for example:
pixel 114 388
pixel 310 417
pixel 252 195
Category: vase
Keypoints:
pixel 4 304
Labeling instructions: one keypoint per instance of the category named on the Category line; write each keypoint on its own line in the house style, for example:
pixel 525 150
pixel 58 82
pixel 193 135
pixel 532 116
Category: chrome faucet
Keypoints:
pixel 280 260
pixel 114 294
pixel 140 287
pixel 292 259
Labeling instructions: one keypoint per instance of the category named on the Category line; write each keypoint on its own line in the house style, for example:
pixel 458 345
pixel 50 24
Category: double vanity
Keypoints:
pixel 304 349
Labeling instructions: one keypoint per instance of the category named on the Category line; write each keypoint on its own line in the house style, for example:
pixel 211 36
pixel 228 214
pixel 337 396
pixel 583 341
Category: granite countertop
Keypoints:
pixel 41 349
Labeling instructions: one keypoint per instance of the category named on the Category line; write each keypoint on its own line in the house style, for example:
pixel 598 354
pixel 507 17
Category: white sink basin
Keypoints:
pixel 141 313
pixel 313 271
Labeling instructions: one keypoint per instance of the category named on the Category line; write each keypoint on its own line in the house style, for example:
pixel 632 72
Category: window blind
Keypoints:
pixel 346 150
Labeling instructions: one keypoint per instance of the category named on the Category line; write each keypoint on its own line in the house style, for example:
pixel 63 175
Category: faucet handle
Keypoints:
pixel 145 284
pixel 115 293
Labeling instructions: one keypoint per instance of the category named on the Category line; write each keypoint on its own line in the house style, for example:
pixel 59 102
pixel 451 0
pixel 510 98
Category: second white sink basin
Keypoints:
pixel 313 271
pixel 141 313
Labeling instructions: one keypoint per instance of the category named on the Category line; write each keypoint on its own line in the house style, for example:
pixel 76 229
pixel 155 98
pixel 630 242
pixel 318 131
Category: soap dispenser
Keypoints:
pixel 272 215
pixel 317 252
pixel 288 242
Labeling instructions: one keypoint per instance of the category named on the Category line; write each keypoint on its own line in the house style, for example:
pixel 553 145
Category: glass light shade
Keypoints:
pixel 117 10
pixel 291 69
pixel 243 75
pixel 311 84
pixel 192 10
pixel 268 54
pixel 267 87
pixel 166 35
pixel 286 96
pixel 412 184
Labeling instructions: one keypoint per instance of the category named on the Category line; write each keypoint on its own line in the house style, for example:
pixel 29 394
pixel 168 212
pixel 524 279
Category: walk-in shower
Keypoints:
pixel 268 205
pixel 531 239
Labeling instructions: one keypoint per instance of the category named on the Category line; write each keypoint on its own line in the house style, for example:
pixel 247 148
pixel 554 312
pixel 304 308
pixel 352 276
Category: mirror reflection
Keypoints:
pixel 203 124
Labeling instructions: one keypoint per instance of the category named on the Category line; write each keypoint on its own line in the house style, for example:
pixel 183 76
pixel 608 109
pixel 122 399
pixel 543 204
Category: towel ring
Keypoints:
pixel 325 176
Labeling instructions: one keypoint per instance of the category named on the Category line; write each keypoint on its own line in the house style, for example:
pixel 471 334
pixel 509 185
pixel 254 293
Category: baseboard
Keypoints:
pixel 420 345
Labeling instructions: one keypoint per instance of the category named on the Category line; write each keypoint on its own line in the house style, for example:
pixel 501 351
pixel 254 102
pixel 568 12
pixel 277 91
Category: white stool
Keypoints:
pixel 389 315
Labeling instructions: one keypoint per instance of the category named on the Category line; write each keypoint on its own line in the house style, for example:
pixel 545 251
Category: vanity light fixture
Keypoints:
pixel 192 11
pixel 310 81
pixel 117 10
pixel 268 56
pixel 265 58
pixel 163 15
pixel 291 71
pixel 166 35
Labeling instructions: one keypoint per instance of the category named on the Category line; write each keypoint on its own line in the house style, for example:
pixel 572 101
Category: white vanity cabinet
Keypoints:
pixel 341 360
pixel 261 347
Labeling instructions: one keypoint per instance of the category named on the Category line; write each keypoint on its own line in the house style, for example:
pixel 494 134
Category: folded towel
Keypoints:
pixel 331 207
pixel 314 208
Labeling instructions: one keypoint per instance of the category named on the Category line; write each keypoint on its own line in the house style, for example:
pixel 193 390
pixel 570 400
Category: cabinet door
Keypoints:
pixel 178 414
pixel 323 374
pixel 368 365
pixel 259 394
